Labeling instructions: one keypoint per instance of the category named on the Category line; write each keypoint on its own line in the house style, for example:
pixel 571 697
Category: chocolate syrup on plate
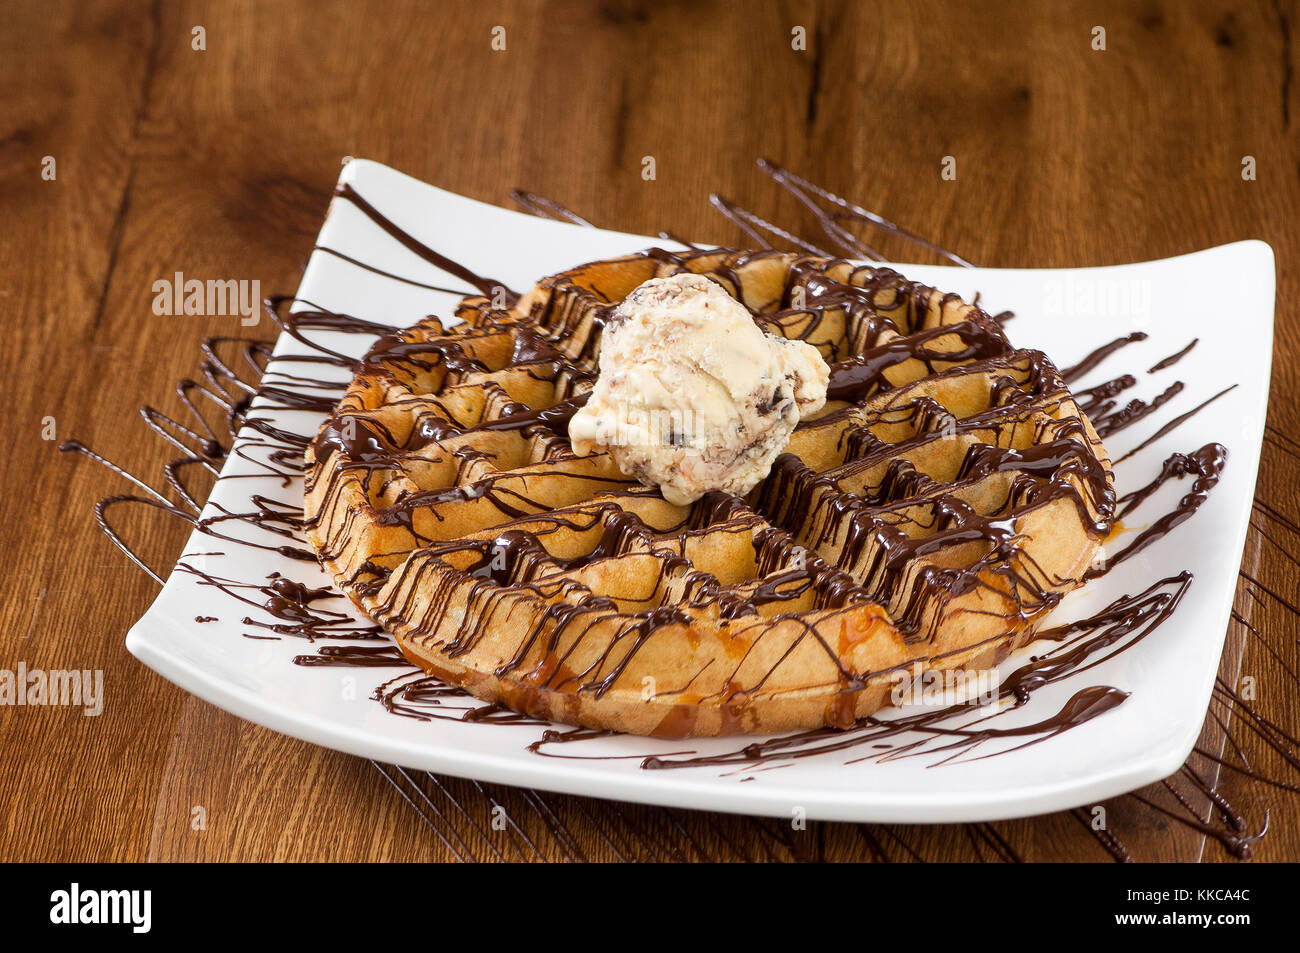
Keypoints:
pixel 1079 645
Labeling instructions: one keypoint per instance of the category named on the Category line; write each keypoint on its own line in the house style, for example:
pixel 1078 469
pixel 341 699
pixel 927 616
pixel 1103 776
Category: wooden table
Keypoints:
pixel 219 163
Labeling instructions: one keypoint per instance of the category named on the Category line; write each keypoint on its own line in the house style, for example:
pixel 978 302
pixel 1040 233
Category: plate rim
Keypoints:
pixel 147 643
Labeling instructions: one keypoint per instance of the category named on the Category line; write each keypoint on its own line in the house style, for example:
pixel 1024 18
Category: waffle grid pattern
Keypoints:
pixel 949 493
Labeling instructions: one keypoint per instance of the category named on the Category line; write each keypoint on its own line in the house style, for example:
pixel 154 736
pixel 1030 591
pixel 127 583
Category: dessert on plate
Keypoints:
pixel 707 492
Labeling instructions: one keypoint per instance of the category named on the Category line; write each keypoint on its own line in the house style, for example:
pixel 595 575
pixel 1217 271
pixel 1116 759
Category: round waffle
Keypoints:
pixel 949 493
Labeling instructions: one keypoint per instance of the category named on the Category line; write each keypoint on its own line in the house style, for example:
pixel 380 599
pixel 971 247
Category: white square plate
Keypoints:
pixel 1066 313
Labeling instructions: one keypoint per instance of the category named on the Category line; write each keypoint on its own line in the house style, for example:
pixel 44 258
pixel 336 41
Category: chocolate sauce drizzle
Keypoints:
pixel 486 286
pixel 229 386
pixel 1075 371
pixel 953 733
pixel 1172 359
pixel 833 215
pixel 869 302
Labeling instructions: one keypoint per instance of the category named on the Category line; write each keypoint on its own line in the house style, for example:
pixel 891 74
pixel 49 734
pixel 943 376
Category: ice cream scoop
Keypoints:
pixel 692 395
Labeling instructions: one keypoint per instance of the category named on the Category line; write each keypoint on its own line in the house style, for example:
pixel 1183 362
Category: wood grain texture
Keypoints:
pixel 219 163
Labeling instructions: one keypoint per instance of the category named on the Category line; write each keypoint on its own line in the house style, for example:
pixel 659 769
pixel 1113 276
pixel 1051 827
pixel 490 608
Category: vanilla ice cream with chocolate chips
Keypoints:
pixel 692 395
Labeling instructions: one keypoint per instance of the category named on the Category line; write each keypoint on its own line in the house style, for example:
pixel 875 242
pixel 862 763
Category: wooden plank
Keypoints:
pixel 219 163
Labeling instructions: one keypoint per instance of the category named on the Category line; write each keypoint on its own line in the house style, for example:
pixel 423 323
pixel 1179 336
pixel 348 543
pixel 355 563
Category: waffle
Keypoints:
pixel 948 494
